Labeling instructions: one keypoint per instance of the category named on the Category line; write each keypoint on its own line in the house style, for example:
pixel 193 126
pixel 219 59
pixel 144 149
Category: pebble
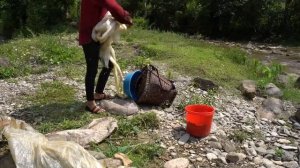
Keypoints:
pixel 183 140
pixel 292 164
pixel 283 141
pixel 268 164
pixel 211 156
pixel 176 163
pixel 235 157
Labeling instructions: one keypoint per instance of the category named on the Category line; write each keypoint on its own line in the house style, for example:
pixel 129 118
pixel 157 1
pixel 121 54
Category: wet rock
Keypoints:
pixel 272 90
pixel 204 84
pixel 235 157
pixel 177 163
pixel 248 89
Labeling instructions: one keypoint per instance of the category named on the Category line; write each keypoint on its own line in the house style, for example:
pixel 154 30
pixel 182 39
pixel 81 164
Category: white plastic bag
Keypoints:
pixel 31 149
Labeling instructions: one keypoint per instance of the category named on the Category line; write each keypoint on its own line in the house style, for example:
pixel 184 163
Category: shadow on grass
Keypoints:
pixel 56 116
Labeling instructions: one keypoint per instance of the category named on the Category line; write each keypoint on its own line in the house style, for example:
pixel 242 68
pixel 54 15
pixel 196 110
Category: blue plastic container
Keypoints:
pixel 129 84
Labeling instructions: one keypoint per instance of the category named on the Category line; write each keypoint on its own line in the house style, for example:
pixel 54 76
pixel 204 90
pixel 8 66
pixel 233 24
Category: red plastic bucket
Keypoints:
pixel 199 119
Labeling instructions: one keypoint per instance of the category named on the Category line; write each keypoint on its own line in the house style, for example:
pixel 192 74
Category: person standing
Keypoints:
pixel 92 11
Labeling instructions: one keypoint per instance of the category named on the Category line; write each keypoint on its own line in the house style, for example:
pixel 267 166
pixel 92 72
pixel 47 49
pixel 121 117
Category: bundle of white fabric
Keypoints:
pixel 106 32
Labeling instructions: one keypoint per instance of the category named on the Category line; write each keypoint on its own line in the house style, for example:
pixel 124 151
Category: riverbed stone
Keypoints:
pixel 272 90
pixel 248 89
pixel 292 164
pixel 233 157
pixel 273 105
pixel 177 163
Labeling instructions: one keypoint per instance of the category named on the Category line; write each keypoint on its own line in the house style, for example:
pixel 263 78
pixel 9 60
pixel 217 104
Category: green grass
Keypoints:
pixel 192 57
pixel 37 54
pixel 292 94
pixel 54 107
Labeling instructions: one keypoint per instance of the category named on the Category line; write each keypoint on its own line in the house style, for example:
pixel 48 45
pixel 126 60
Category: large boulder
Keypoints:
pixel 270 108
pixel 272 90
pixel 248 89
pixel 273 105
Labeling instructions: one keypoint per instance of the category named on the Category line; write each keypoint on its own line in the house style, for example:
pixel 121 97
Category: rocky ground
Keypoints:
pixel 239 138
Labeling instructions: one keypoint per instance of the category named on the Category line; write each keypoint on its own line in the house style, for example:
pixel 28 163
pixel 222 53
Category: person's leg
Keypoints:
pixel 91 52
pixel 102 80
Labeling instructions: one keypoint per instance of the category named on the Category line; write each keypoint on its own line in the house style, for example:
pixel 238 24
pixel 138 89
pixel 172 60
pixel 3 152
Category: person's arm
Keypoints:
pixel 117 11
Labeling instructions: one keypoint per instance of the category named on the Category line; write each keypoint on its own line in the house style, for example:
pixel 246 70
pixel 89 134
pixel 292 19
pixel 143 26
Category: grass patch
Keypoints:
pixel 143 154
pixel 292 94
pixel 74 72
pixel 140 122
pixel 35 55
pixel 54 108
pixel 241 135
pixel 192 57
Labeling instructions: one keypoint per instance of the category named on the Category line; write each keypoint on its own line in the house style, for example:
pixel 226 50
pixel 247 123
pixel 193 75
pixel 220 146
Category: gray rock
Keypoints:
pixel 261 151
pixel 283 80
pixel 183 139
pixel 272 90
pixel 258 160
pixel 273 105
pixel 109 162
pixel 235 157
pixel 251 151
pixel 215 145
pixel 288 156
pixel 286 147
pixel 268 164
pixel 229 147
pixel 177 163
pixel 211 156
pixel 248 89
pixel 283 141
pixel 97 155
pixel 292 164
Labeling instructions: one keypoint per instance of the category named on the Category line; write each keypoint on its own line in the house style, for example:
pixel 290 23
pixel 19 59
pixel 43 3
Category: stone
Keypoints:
pixel 288 156
pixel 221 133
pixel 258 160
pixel 248 89
pixel 215 145
pixel 204 84
pixel 97 155
pixel 283 80
pixel 268 164
pixel 272 90
pixel 282 122
pixel 183 139
pixel 211 156
pixel 177 163
pixel 286 147
pixel 229 147
pixel 233 157
pixel 251 151
pixel 273 105
pixel 109 162
pixel 292 164
pixel 283 141
pixel 261 151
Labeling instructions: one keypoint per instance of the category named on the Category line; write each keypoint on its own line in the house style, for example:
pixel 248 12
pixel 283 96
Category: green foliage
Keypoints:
pixel 145 121
pixel 37 15
pixel 279 152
